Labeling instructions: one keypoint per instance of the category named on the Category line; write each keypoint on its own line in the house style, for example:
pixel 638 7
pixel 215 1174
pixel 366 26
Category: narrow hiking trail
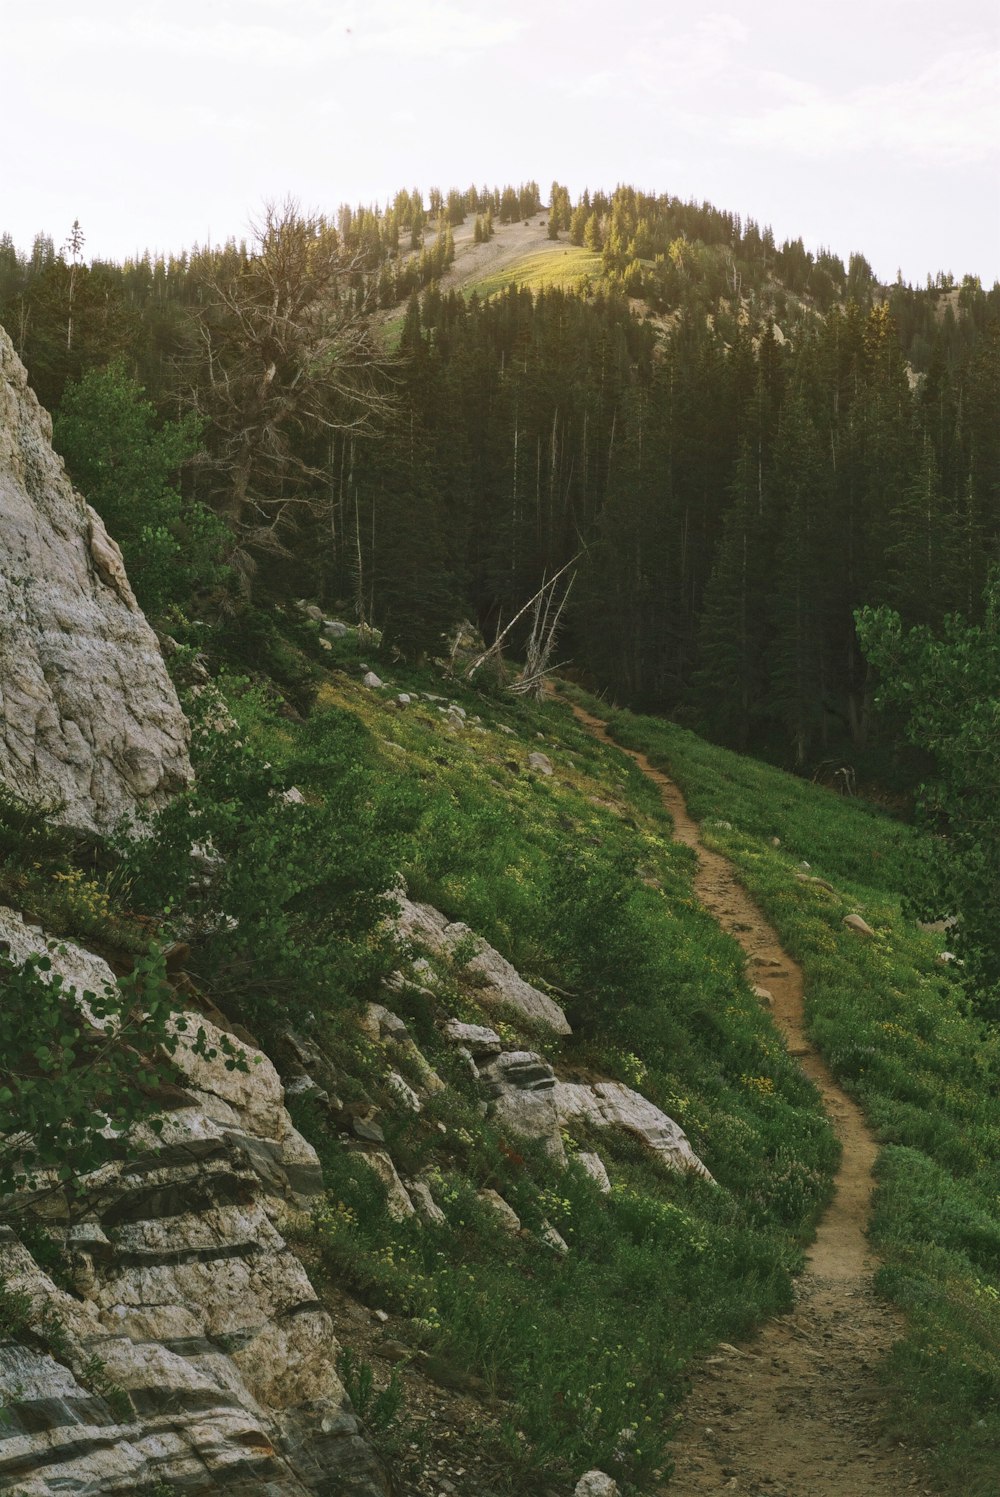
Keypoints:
pixel 794 1412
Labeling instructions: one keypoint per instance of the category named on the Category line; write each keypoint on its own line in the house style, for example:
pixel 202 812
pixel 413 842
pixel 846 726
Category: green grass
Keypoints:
pixel 898 1032
pixel 575 878
pixel 565 269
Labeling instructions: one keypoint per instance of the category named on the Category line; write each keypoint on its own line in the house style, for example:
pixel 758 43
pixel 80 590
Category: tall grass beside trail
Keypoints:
pixel 898 1032
pixel 573 876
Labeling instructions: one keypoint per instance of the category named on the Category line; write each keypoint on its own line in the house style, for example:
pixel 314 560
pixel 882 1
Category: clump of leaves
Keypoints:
pixel 78 1071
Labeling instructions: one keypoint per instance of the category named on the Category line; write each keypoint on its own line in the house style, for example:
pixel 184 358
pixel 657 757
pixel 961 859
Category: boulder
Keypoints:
pixel 520 1086
pixel 371 680
pixel 858 925
pixel 553 1239
pixel 475 1038
pixel 594 1166
pixel 595 1484
pixel 397 1200
pixel 382 1025
pixel 497 981
pixel 89 719
pixel 403 1091
pixel 819 883
pixel 540 764
pixel 426 1207
pixel 506 1215
pixel 610 1104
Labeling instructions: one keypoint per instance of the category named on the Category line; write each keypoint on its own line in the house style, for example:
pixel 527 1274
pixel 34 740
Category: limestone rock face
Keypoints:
pixel 525 1094
pixel 88 716
pixel 186 1290
pixel 498 982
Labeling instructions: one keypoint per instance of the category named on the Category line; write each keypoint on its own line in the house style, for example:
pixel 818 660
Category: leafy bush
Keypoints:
pixel 76 1071
pixel 125 463
pixel 282 901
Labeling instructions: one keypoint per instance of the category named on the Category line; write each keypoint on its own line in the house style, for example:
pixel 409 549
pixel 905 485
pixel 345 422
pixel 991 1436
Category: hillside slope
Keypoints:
pixel 893 1024
pixel 527 1237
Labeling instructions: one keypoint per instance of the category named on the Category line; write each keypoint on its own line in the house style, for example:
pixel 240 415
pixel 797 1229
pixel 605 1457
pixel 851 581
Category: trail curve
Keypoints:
pixel 795 1411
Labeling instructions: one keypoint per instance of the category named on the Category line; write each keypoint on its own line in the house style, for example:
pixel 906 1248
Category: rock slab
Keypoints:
pixel 186 1290
pixel 89 720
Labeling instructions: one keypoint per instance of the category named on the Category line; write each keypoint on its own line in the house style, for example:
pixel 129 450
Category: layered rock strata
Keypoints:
pixel 182 1287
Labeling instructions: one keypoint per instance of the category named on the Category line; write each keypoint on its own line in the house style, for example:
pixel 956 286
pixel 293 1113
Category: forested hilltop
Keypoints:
pixel 734 443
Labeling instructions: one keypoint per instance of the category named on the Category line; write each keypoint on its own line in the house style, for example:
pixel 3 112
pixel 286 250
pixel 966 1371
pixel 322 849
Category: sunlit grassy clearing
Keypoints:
pixel 539 271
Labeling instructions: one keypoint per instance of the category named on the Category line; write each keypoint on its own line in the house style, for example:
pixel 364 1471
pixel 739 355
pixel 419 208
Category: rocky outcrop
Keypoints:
pixel 497 983
pixel 525 1094
pixel 183 1287
pixel 89 719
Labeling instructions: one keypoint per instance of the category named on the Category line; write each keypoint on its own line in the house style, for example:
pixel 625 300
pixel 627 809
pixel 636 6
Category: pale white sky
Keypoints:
pixel 869 125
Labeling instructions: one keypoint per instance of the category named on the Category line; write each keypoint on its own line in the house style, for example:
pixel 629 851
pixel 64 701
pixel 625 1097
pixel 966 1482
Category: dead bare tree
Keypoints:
pixel 284 358
pixel 547 612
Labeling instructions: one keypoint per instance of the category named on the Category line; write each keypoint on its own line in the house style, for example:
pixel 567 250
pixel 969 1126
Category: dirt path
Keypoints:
pixel 794 1413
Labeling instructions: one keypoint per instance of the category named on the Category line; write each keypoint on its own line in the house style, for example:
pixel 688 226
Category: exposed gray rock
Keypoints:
pixel 381 1024
pixel 540 763
pixel 497 981
pixel 553 1239
pixel 403 699
pixel 424 1203
pixel 859 925
pixel 610 1104
pixel 521 1087
pixel 191 1298
pixel 525 1095
pixel 397 1200
pixel 595 1484
pixel 938 927
pixel 475 1038
pixel 819 883
pixel 335 629
pixel 306 1088
pixel 89 719
pixel 594 1166
pixel 402 1089
pixel 371 680
pixel 506 1215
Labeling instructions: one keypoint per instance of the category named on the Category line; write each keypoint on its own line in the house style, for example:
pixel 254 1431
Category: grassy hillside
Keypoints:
pixel 576 1359
pixel 537 271
pixel 894 1026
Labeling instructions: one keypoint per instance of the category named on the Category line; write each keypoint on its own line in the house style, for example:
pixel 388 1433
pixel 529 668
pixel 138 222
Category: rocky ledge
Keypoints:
pixel 216 1365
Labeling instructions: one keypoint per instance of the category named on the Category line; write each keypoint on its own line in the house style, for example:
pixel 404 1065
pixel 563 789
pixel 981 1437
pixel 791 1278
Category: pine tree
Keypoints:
pixel 796 657
pixel 733 627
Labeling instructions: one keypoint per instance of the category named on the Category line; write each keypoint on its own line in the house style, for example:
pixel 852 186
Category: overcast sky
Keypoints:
pixel 869 125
